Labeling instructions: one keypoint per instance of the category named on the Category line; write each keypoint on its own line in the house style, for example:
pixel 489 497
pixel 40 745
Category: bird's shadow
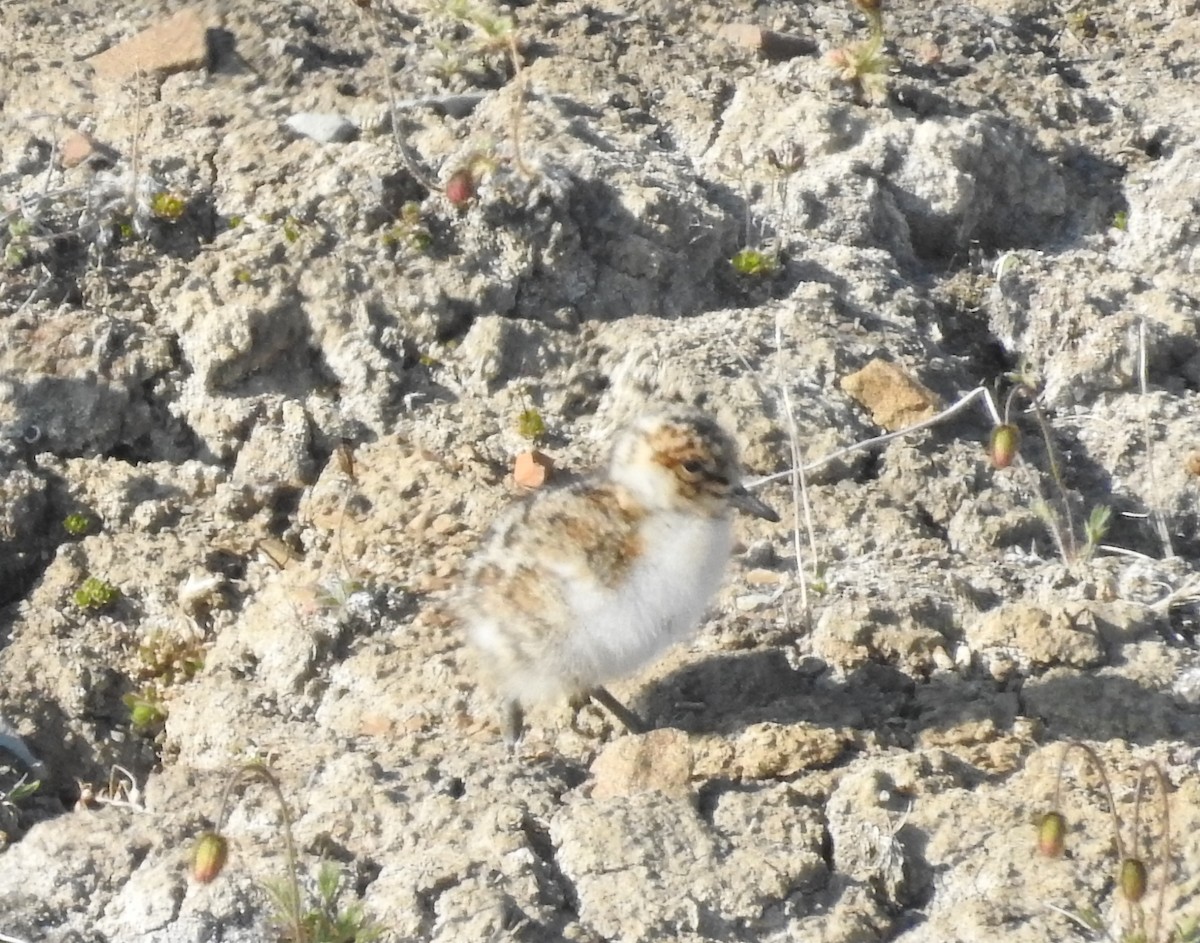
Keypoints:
pixel 727 693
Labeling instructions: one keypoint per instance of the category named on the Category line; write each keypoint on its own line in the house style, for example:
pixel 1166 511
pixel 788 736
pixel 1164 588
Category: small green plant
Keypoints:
pixel 300 918
pixel 1132 878
pixel 95 594
pixel 409 230
pixel 10 807
pixel 234 222
pixel 531 425
pixel 1120 220
pixel 494 31
pixel 1095 529
pixel 122 227
pixel 864 65
pixel 18 246
pixel 22 790
pixel 243 276
pixel 147 711
pixel 77 524
pixel 291 229
pixel 755 263
pixel 168 659
pixel 1081 24
pixel 168 206
pixel 323 918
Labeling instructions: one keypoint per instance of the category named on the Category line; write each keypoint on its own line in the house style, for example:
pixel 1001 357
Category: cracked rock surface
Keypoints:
pixel 263 381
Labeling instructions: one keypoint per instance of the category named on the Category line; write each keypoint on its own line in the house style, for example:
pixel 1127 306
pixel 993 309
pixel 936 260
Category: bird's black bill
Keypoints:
pixel 743 500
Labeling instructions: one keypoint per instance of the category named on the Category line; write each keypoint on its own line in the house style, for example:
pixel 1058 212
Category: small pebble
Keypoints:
pixel 323 127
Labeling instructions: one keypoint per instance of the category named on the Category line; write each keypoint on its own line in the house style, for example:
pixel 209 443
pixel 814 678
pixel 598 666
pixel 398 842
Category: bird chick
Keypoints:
pixel 579 585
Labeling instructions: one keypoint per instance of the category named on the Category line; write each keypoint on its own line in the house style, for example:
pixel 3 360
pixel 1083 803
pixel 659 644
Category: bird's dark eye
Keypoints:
pixel 693 466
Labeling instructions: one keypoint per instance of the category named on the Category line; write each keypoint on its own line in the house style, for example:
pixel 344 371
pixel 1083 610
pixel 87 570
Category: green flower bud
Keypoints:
pixel 1132 879
pixel 209 856
pixel 1052 834
pixel 1004 445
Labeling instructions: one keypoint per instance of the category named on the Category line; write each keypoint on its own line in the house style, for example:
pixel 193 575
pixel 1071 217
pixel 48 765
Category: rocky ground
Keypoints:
pixel 285 288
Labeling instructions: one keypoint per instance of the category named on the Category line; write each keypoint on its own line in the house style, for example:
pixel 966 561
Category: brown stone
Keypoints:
pixel 768 43
pixel 769 751
pixel 658 761
pixel 894 398
pixel 177 44
pixel 532 469
pixel 78 147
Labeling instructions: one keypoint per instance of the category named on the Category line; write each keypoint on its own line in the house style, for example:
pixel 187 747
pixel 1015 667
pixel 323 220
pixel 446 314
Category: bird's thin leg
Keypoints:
pixel 628 718
pixel 513 724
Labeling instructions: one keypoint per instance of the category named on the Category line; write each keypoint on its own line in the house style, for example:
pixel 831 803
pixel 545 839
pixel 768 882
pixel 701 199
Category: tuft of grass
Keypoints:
pixel 323 918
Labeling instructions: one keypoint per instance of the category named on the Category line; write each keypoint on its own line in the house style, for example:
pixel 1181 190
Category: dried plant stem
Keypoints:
pixel 1064 537
pixel 518 108
pixel 407 157
pixel 1098 766
pixel 977 393
pixel 1160 523
pixel 257 771
pixel 799 479
pixel 1157 774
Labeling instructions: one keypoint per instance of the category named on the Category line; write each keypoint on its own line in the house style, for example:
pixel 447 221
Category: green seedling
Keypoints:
pixel 291 229
pixel 755 263
pixel 77 524
pixel 299 918
pixel 323 919
pixel 864 65
pixel 18 247
pixel 531 425
pixel 146 710
pixel 1081 24
pixel 166 659
pixel 168 206
pixel 96 594
pixel 22 790
pixel 409 230
pixel 122 227
pixel 1120 220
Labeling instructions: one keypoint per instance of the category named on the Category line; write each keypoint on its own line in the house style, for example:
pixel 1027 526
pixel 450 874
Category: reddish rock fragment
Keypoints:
pixel 177 44
pixel 532 469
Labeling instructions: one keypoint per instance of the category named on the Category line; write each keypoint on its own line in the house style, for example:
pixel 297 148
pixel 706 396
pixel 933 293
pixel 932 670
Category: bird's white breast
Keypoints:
pixel 659 602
